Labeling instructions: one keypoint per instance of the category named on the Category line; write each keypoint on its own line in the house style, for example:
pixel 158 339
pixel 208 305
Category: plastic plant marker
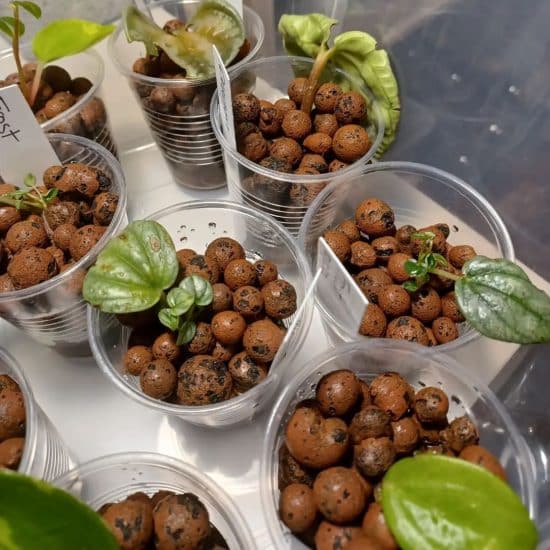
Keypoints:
pixel 225 102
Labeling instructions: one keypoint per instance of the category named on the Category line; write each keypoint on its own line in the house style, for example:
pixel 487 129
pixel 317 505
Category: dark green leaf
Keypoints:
pixel 35 515
pixel 132 270
pixel 200 288
pixel 180 300
pixel 186 333
pixel 413 268
pixel 440 503
pixel 411 286
pixel 439 259
pixel 430 261
pixel 67 37
pixel 498 300
pixel 168 319
pixel 8 24
pixel 31 7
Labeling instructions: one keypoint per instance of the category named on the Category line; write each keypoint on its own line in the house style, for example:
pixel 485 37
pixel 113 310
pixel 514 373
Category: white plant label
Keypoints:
pixel 338 291
pixel 226 103
pixel 238 5
pixel 24 148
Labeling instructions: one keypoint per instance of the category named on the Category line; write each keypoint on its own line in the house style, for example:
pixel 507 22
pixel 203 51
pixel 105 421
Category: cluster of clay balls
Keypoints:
pixel 374 250
pixel 163 521
pixel 57 93
pixel 236 338
pixel 35 248
pixel 12 423
pixel 338 446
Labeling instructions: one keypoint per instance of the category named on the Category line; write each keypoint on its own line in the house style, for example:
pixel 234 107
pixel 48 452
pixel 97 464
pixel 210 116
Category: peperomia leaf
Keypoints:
pixel 169 319
pixel 441 503
pixel 200 288
pixel 133 269
pixel 9 24
pixel 67 37
pixel 34 9
pixel 186 333
pixel 34 514
pixel 498 300
pixel 303 34
pixel 180 300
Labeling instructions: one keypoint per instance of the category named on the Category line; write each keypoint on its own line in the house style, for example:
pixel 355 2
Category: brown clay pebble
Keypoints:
pixel 223 250
pixel 12 413
pixel 159 496
pixel 228 327
pixel 253 146
pixel 396 266
pixel 384 247
pixel 248 301
pixel 239 273
pixel 165 347
pixel 429 434
pixel 203 341
pixel 408 328
pixel 74 178
pixel 104 206
pixel 449 308
pixel 404 238
pixel 327 96
pixel 296 89
pixel 318 143
pixel 266 272
pixel 394 300
pixel 61 212
pixel 284 105
pixel 444 330
pixel 392 393
pixel 363 255
pixel 9 215
pixel 296 124
pixel 338 392
pixel 330 536
pixel 373 456
pixel 325 124
pixel 459 255
pixel 405 435
pixel 339 244
pixel 425 304
pixel 371 281
pixel 223 352
pixel 460 433
pixel 431 338
pixel 291 471
pixel 431 405
pixel 63 235
pixel 181 522
pixel 6 284
pixel 136 359
pixel 374 322
pixel 84 239
pixel 339 494
pixel 203 380
pixel 375 527
pixel 370 421
pixel 7 382
pixel 131 523
pixel 439 241
pixel 11 451
pixel 246 108
pixel 297 507
pixel 262 339
pixel 271 118
pixel 312 162
pixel 286 149
pixel 223 297
pixel 246 372
pixel 350 143
pixel 316 442
pixel 184 256
pixel 350 107
pixel 336 165
pixel 24 235
pixel 279 299
pixel 350 230
pixel 374 217
pixel 31 266
pixel 59 103
pixel 482 457
pixel 158 379
pixel 203 266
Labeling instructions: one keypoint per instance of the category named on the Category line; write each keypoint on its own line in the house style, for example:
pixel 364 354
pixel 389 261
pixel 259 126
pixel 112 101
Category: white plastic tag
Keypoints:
pixel 224 93
pixel 24 148
pixel 337 290
pixel 238 5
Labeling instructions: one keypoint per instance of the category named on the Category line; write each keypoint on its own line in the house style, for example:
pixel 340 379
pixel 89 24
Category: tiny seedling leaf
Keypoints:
pixel 30 7
pixel 200 288
pixel 186 333
pixel 168 319
pixel 180 301
pixel 8 25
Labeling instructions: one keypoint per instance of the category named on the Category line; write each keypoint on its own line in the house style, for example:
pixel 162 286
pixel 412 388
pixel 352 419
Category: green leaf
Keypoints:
pixel 200 288
pixel 31 7
pixel 439 259
pixel 168 319
pixel 67 37
pixel 423 236
pixel 411 286
pixel 414 268
pixel 441 503
pixel 303 35
pixel 180 301
pixel 186 333
pixel 133 269
pixel 498 300
pixel 35 515
pixel 8 24
pixel 30 180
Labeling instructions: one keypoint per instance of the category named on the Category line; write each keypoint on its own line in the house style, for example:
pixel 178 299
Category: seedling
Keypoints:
pixel 29 197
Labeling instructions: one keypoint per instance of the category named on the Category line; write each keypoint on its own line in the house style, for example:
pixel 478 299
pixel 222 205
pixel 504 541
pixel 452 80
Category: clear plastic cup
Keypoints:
pixel 193 225
pixel 44 455
pixel 286 197
pixel 53 312
pixel 420 195
pixel 115 477
pixel 95 124
pixel 178 128
pixel 419 366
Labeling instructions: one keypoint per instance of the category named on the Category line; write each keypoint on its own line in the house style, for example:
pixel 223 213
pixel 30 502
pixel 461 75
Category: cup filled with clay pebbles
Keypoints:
pixel 52 227
pixel 431 257
pixel 151 501
pixel 192 306
pixel 383 445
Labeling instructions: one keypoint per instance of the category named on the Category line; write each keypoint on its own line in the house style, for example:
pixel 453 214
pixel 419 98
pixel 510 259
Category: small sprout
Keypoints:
pixel 29 197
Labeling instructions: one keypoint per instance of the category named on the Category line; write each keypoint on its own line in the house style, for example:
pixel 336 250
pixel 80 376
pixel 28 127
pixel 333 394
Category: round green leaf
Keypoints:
pixel 35 515
pixel 441 503
pixel 200 288
pixel 180 300
pixel 498 300
pixel 133 269
pixel 34 9
pixel 168 319
pixel 186 333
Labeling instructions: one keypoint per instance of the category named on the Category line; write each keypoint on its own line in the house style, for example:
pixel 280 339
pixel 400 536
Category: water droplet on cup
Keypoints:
pixel 463 159
pixel 456 78
pixel 513 90
pixel 495 129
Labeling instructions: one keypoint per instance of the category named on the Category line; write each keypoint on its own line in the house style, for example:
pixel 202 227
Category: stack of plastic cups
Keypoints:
pixel 182 131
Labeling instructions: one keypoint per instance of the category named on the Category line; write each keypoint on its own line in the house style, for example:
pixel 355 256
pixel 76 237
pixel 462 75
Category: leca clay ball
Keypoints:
pixel 318 143
pixel 297 507
pixel 181 522
pixel 63 235
pixel 239 273
pixel 373 456
pixel 79 178
pixel 58 256
pixel 439 243
pixel 223 297
pixel 279 165
pixel 11 451
pixel 339 244
pixel 349 229
pixel 266 272
pixel 394 300
pixel 392 393
pixel 350 143
pixel 444 330
pixel 248 301
pixel 482 457
pixel 137 358
pixel 25 234
pixel 296 89
pixel 60 212
pixel 350 107
pixel 313 162
pixel 286 149
pixel 374 322
pixel 431 405
pixel 203 341
pixel 291 471
pixel 428 434
pixel 396 266
pixel 262 339
pixel 12 413
pixel 384 247
pixel 158 379
pixel 339 494
pixel 325 124
pixel 104 207
pixel 253 146
pixel 228 327
pixel 279 298
pixel 131 523
pixel 284 105
pixel 460 433
pixel 338 392
pixel 375 527
pixel 31 266
pixel 9 215
pixel 223 250
pixel 404 237
pixel 336 165
pixel 371 281
pixel 84 239
pixel 7 382
pixel 246 372
pixel 405 435
pixel 374 217
pixel 6 284
pixel 224 352
pixel 408 328
pixel 203 266
pixel 203 380
pixel 426 304
pixel 296 124
pixel 370 421
pixel 330 536
pixel 363 255
pixel 459 255
pixel 271 118
pixel 246 108
pixel 327 96
pixel 165 347
pixel 449 308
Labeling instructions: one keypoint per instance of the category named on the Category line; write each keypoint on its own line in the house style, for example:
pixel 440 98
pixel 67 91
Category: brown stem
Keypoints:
pixel 444 274
pixel 312 83
pixel 17 54
pixel 36 83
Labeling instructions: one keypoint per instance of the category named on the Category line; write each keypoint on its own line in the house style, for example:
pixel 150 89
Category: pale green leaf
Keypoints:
pixel 303 35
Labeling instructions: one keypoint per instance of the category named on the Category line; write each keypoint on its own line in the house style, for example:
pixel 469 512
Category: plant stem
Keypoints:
pixel 37 208
pixel 312 83
pixel 17 54
pixel 36 83
pixel 444 274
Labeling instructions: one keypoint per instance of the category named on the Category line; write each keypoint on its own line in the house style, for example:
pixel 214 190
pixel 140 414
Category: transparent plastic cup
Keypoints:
pixel 44 455
pixel 53 312
pixel 419 367
pixel 94 124
pixel 193 225
pixel 115 477
pixel 178 127
pixel 286 197
pixel 420 195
